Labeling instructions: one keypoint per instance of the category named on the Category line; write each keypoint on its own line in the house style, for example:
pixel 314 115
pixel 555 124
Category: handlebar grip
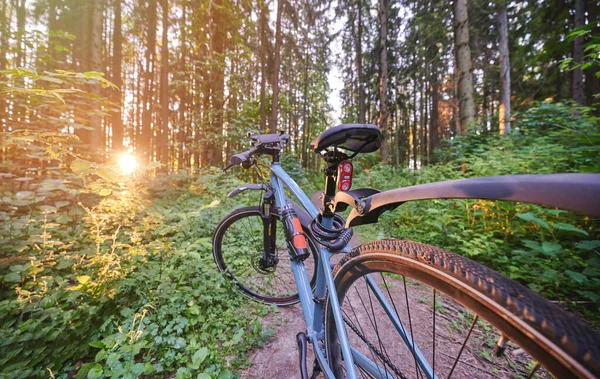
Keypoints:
pixel 239 158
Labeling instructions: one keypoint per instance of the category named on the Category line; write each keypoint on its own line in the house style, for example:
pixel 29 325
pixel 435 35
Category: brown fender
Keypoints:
pixel 573 192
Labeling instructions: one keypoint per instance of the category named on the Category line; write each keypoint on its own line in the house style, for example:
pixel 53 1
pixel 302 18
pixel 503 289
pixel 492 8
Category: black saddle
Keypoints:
pixel 357 138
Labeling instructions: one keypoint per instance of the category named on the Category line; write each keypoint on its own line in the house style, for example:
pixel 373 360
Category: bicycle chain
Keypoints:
pixel 374 349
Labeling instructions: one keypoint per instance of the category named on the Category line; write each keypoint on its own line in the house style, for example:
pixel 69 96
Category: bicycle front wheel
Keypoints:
pixel 398 294
pixel 238 245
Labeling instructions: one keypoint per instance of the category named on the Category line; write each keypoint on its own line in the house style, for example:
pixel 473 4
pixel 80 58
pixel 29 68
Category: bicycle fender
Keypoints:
pixel 302 214
pixel 572 192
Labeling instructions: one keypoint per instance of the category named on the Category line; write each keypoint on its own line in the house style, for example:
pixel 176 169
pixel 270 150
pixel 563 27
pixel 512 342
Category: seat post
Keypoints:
pixel 330 184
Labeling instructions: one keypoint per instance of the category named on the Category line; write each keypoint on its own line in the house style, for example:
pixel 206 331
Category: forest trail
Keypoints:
pixel 278 358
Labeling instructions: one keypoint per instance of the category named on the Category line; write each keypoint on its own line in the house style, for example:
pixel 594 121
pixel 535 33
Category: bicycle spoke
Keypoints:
pixel 381 346
pixel 434 309
pixel 412 335
pixel 475 318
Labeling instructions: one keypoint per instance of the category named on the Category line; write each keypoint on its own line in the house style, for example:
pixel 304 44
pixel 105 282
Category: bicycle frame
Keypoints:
pixel 313 305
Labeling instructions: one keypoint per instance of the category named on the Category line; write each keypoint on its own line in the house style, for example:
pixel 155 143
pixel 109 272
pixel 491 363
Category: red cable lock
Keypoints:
pixel 344 180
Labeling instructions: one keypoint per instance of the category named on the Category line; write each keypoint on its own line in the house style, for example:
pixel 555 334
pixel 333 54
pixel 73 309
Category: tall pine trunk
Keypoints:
pixel 464 75
pixel 276 67
pixel 263 25
pixel 359 70
pixel 116 120
pixel 383 79
pixel 577 82
pixel 164 90
pixel 147 102
pixel 504 109
pixel 97 140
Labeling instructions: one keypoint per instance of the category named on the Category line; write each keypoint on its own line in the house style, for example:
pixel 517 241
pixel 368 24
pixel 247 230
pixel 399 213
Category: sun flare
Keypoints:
pixel 128 164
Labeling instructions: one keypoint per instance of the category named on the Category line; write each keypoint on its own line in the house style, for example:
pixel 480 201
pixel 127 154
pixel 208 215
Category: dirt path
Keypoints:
pixel 278 358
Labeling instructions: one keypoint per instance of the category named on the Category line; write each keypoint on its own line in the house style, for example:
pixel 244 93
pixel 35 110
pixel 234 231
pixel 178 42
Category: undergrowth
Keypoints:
pixel 554 252
pixel 104 276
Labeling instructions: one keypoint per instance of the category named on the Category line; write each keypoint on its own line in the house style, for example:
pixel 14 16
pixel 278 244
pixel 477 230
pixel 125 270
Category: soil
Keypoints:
pixel 279 356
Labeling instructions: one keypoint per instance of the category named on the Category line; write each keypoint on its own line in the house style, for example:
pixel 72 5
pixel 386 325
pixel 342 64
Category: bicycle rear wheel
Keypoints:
pixel 238 246
pixel 440 299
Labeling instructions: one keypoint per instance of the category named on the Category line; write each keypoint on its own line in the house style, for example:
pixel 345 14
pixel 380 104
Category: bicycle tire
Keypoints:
pixel 237 256
pixel 560 342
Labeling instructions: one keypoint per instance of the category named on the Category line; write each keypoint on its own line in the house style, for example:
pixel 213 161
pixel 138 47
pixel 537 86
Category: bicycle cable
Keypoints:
pixel 324 234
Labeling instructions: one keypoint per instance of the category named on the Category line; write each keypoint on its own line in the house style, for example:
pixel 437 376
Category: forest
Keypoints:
pixel 118 116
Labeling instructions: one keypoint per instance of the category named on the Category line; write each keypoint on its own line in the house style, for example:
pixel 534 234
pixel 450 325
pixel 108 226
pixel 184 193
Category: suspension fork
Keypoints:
pixel 269 258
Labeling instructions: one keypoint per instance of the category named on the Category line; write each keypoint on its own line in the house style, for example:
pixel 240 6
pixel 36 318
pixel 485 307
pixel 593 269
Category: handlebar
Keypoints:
pixel 263 144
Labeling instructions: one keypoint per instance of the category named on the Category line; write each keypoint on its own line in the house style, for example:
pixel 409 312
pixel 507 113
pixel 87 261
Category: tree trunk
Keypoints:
pixel 359 74
pixel 213 152
pixel 577 83
pixel 147 102
pixel 504 109
pixel 415 138
pixel 383 79
pixel 434 139
pixel 464 75
pixel 164 89
pixel 97 140
pixel 116 120
pixel 276 66
pixel 21 17
pixel 181 163
pixel 263 65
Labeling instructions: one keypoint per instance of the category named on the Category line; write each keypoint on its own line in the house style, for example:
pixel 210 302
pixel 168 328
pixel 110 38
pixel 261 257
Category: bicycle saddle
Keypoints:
pixel 358 138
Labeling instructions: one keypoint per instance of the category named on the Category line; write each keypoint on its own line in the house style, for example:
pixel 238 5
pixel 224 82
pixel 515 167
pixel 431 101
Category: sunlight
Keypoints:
pixel 127 164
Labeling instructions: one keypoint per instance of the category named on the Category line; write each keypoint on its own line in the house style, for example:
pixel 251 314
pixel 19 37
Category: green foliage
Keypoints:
pixel 129 289
pixel 97 278
pixel 552 251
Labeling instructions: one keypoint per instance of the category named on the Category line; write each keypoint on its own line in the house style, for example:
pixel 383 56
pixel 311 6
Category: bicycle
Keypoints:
pixel 354 311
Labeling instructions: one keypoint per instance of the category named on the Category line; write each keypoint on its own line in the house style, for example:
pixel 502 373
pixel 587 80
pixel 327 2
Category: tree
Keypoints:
pixel 117 79
pixel 359 69
pixel 577 82
pixel 164 89
pixel 383 78
pixel 464 76
pixel 504 109
pixel 276 67
pixel 145 139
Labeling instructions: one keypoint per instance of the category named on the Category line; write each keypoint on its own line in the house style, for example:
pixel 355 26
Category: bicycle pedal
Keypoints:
pixel 302 346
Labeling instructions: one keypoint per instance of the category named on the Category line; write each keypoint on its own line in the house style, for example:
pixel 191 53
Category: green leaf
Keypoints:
pixel 13 277
pixel 101 355
pixel 95 371
pixel 198 357
pixel 80 166
pixel 568 227
pixel 107 174
pixel 531 217
pixel 579 278
pixel 551 248
pixel 83 279
pixel 533 245
pixel 588 245
pixel 60 204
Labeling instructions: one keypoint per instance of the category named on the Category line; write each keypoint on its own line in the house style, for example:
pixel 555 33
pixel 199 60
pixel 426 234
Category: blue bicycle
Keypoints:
pixel 396 308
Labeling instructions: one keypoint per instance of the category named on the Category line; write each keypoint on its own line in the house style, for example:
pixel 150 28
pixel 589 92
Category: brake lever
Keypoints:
pixel 228 168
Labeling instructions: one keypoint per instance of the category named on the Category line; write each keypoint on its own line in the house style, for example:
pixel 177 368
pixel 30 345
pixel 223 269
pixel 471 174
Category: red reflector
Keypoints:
pixel 345 170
